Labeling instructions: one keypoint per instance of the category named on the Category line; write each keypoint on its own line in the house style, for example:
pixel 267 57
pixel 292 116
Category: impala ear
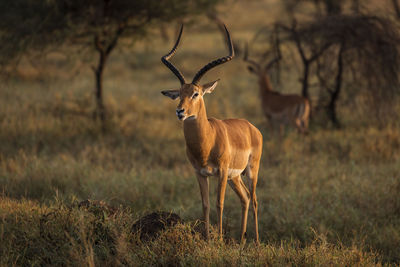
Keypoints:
pixel 173 94
pixel 209 87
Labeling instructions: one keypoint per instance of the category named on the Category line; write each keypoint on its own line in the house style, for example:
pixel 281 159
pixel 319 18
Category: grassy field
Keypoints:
pixel 328 198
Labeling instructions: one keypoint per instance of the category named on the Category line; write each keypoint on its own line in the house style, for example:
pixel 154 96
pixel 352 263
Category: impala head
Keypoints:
pixel 191 94
pixel 261 68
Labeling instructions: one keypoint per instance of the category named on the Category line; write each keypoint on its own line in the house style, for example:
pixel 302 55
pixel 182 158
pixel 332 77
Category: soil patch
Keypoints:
pixel 149 226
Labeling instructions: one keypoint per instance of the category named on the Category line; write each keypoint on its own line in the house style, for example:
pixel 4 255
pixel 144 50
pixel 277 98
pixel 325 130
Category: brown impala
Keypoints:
pixel 280 109
pixel 222 148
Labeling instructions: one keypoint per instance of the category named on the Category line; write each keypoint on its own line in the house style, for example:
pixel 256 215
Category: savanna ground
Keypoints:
pixel 328 198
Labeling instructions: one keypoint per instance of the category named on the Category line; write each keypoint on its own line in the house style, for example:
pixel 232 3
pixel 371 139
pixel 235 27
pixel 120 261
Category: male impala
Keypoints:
pixel 280 109
pixel 222 148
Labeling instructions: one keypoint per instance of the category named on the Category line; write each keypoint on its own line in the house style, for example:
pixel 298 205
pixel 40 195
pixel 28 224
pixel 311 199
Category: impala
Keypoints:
pixel 280 109
pixel 221 148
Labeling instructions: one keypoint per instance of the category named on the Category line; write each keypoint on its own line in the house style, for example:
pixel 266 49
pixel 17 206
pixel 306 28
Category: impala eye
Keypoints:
pixel 195 95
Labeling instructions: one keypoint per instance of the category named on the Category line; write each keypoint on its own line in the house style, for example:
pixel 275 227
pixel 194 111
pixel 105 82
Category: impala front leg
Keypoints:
pixel 243 193
pixel 223 180
pixel 204 191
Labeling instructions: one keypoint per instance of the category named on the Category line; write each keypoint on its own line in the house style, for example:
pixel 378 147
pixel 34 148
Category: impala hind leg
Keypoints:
pixel 240 189
pixel 305 125
pixel 253 177
pixel 204 191
pixel 301 126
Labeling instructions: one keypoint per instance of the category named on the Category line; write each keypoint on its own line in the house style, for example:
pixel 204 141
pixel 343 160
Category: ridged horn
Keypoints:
pixel 170 66
pixel 216 62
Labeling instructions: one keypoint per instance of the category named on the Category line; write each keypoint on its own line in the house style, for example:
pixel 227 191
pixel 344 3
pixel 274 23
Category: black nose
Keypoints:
pixel 179 113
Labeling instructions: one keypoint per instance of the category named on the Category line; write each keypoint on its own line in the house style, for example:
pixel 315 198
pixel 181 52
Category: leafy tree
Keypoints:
pixel 346 52
pixel 30 24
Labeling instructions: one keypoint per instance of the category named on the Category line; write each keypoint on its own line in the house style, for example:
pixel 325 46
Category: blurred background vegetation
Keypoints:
pixel 82 117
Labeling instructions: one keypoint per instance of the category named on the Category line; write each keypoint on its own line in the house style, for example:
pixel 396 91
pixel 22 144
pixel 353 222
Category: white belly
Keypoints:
pixel 234 172
pixel 210 171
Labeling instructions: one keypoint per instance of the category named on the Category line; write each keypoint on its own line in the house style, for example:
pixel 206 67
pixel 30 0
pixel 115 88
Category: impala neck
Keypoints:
pixel 197 131
pixel 265 83
pixel 265 87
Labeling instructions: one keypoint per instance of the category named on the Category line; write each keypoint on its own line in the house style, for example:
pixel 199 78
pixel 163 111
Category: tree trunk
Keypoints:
pixel 164 33
pixel 304 59
pixel 304 90
pixel 333 7
pixel 335 94
pixel 98 72
pixel 104 52
pixel 355 6
pixel 396 8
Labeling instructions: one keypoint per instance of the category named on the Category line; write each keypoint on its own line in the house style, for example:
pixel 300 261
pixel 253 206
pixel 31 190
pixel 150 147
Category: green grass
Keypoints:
pixel 329 198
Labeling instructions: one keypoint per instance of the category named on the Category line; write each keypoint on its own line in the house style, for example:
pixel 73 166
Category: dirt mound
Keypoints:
pixel 149 226
pixel 97 207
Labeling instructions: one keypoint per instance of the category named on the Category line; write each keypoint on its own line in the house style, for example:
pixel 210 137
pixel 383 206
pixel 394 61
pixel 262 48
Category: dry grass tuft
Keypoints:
pixel 329 198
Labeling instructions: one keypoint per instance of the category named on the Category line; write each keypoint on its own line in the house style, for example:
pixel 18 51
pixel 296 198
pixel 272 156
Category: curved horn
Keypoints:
pixel 165 58
pixel 216 62
pixel 246 57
